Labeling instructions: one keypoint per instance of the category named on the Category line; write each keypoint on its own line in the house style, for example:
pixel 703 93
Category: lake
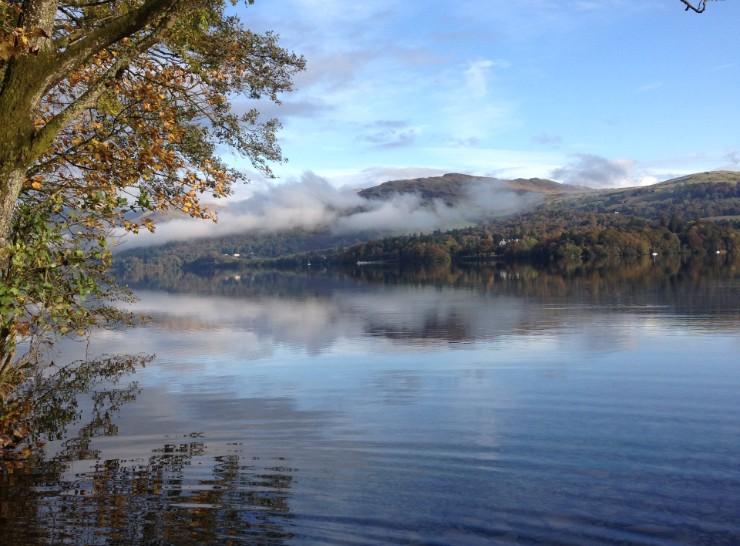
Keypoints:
pixel 483 405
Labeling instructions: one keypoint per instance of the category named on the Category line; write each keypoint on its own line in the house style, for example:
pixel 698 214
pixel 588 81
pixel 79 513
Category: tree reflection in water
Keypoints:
pixel 525 279
pixel 176 495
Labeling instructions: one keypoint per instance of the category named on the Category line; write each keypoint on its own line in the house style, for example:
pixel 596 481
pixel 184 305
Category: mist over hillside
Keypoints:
pixel 424 214
pixel 401 206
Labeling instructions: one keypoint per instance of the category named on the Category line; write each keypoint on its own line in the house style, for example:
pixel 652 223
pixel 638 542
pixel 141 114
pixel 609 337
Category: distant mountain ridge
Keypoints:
pixel 706 177
pixel 451 187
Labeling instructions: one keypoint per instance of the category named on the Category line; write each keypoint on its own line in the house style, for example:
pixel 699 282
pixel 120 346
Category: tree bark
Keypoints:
pixel 16 133
pixel 9 190
pixel 39 14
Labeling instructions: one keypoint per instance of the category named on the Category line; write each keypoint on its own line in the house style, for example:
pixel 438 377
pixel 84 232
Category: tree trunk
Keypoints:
pixel 10 187
pixel 20 91
pixel 16 138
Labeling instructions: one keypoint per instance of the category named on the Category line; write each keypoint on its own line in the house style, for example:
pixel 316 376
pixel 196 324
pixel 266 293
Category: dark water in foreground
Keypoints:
pixel 503 406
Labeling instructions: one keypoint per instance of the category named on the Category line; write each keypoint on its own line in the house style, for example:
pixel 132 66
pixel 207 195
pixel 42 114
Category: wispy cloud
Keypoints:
pixel 724 66
pixel 475 87
pixel 312 203
pixel 650 86
pixel 548 139
pixel 599 172
pixel 390 134
pixel 477 75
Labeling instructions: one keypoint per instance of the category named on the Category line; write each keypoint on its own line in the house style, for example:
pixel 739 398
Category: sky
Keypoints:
pixel 595 92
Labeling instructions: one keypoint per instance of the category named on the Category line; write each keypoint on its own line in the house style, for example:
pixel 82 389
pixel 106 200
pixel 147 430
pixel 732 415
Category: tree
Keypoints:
pixel 112 112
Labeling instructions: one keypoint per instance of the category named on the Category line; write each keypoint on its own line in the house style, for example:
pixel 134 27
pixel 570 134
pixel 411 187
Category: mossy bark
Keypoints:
pixel 20 92
pixel 16 139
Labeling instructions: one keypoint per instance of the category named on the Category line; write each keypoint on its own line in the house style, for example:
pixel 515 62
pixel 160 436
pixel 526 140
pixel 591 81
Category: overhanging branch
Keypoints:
pixel 699 8
pixel 120 27
pixel 48 132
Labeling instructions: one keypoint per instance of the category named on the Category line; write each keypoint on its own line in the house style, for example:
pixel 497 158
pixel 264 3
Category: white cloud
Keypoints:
pixel 599 172
pixel 373 176
pixel 477 74
pixel 476 77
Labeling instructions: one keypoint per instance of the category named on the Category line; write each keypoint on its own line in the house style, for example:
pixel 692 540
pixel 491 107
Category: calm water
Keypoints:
pixel 503 406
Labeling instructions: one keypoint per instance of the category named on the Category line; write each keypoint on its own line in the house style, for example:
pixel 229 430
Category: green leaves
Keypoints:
pixel 57 279
pixel 144 201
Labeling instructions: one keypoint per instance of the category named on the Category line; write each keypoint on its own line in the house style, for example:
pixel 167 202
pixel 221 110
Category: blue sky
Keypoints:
pixel 604 92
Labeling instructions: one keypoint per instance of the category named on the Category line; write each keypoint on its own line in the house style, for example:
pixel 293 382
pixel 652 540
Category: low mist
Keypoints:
pixel 312 203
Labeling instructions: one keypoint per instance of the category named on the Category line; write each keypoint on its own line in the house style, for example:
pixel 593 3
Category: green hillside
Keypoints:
pixel 699 213
pixel 695 196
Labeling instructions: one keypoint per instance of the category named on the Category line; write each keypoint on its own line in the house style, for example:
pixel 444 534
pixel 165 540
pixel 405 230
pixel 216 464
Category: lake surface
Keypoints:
pixel 497 405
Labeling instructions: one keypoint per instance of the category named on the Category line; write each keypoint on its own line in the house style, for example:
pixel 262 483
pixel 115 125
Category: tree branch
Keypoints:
pixel 44 136
pixel 39 14
pixel 120 27
pixel 699 8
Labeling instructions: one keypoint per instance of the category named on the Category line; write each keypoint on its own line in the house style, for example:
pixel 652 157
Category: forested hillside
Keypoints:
pixel 697 214
pixel 701 195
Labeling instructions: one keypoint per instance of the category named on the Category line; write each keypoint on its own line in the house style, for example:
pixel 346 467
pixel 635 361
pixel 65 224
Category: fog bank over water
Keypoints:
pixel 312 203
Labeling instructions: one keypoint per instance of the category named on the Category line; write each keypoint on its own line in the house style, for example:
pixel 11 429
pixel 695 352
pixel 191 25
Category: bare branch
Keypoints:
pixel 699 8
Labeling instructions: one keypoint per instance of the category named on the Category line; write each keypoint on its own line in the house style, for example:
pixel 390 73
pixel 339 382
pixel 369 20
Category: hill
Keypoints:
pixel 452 187
pixel 695 196
pixel 695 213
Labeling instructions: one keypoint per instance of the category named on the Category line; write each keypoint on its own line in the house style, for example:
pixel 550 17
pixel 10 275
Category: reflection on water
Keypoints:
pixel 493 404
pixel 177 495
